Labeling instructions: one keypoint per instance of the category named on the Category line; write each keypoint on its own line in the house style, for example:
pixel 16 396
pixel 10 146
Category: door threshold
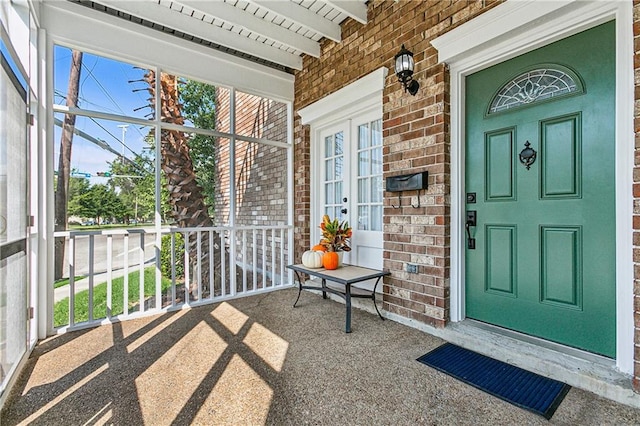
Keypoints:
pixel 580 369
pixel 577 368
pixel 537 341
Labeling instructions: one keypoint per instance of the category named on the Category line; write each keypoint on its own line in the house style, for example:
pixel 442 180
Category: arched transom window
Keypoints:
pixel 535 85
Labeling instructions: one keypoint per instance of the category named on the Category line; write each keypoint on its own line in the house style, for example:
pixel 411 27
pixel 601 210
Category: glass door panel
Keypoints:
pixel 369 154
pixel 333 174
pixel 348 185
pixel 365 206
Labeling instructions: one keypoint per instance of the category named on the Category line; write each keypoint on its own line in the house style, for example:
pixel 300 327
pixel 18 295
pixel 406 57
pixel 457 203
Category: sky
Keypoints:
pixel 104 87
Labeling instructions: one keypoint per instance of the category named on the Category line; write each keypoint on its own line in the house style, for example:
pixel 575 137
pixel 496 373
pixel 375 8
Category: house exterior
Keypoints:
pixel 475 155
pixel 543 244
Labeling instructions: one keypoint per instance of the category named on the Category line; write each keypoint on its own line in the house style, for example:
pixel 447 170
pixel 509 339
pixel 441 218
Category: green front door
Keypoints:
pixel 544 256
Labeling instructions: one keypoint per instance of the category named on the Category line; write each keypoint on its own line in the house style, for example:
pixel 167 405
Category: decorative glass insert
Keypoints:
pixel 534 86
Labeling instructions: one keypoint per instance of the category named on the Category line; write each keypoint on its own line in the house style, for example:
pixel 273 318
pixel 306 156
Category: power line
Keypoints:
pixel 112 135
pixel 102 144
pixel 103 88
pixel 87 102
pixel 107 94
pixel 82 64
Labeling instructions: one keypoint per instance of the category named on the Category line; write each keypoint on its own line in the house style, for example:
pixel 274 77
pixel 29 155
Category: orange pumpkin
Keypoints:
pixel 330 260
pixel 319 247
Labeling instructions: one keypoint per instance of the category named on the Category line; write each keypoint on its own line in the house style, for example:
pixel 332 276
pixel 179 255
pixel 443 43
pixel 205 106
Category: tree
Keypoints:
pixel 100 203
pixel 186 197
pixel 199 107
pixel 64 162
pixel 77 188
pixel 134 181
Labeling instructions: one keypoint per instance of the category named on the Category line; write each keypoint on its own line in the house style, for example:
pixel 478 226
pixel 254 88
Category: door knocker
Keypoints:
pixel 528 155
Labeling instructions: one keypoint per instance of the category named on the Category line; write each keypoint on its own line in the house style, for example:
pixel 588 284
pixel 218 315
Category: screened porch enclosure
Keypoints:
pixel 142 171
pixel 176 191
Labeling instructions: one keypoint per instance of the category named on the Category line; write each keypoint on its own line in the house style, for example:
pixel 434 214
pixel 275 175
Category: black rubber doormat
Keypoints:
pixel 512 384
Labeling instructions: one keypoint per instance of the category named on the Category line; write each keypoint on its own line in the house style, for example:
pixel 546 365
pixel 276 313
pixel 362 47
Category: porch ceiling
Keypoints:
pixel 274 33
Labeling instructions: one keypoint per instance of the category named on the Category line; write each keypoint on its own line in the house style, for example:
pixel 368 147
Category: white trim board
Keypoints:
pixel 508 30
pixel 360 95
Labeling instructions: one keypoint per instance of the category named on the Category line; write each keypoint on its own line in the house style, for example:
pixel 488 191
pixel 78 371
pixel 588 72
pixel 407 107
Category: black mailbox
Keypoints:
pixel 411 182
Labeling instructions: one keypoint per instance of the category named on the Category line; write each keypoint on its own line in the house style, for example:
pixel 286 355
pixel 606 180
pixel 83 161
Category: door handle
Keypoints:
pixel 343 211
pixel 472 216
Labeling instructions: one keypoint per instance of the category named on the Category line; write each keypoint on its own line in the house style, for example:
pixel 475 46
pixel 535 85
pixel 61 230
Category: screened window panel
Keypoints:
pixel 261 184
pixel 106 85
pixel 13 307
pixel 222 206
pixel 13 225
pixel 260 117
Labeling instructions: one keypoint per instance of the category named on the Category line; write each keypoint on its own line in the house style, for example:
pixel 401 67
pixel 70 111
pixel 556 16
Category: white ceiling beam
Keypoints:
pixel 249 22
pixel 353 8
pixel 188 25
pixel 303 17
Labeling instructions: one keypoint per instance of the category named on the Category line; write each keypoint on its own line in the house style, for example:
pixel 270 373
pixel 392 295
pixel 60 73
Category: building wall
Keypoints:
pixel 260 178
pixel 260 169
pixel 415 131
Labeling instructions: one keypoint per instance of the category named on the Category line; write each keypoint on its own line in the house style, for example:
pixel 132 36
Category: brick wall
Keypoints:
pixel 415 130
pixel 636 193
pixel 260 179
pixel 260 169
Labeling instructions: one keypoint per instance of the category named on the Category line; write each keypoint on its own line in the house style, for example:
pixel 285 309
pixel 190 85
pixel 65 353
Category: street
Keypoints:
pixel 100 253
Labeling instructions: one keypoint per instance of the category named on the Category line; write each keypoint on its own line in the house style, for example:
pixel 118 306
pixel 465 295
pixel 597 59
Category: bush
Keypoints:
pixel 165 256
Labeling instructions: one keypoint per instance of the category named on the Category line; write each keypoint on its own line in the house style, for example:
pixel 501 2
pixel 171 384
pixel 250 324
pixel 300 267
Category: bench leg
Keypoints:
pixel 375 305
pixel 373 296
pixel 348 303
pixel 299 289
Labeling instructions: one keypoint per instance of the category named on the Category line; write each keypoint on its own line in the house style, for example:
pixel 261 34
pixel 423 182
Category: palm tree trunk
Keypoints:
pixel 188 206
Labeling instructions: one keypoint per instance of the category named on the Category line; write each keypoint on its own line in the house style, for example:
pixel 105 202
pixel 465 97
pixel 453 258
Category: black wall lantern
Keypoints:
pixel 404 71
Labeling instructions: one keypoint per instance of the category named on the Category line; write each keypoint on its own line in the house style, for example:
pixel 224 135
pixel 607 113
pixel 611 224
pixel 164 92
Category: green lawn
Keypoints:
pixel 61 309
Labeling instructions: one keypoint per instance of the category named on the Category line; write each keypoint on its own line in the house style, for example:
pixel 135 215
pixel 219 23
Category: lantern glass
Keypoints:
pixel 404 70
pixel 404 63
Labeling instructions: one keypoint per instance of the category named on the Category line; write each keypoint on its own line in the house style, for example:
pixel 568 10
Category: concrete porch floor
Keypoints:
pixel 256 361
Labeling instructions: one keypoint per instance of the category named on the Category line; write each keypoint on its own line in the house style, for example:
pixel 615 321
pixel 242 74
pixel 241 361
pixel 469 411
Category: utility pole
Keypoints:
pixel 64 162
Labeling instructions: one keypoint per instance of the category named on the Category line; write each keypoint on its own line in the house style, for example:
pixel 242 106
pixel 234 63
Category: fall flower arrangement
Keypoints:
pixel 335 234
